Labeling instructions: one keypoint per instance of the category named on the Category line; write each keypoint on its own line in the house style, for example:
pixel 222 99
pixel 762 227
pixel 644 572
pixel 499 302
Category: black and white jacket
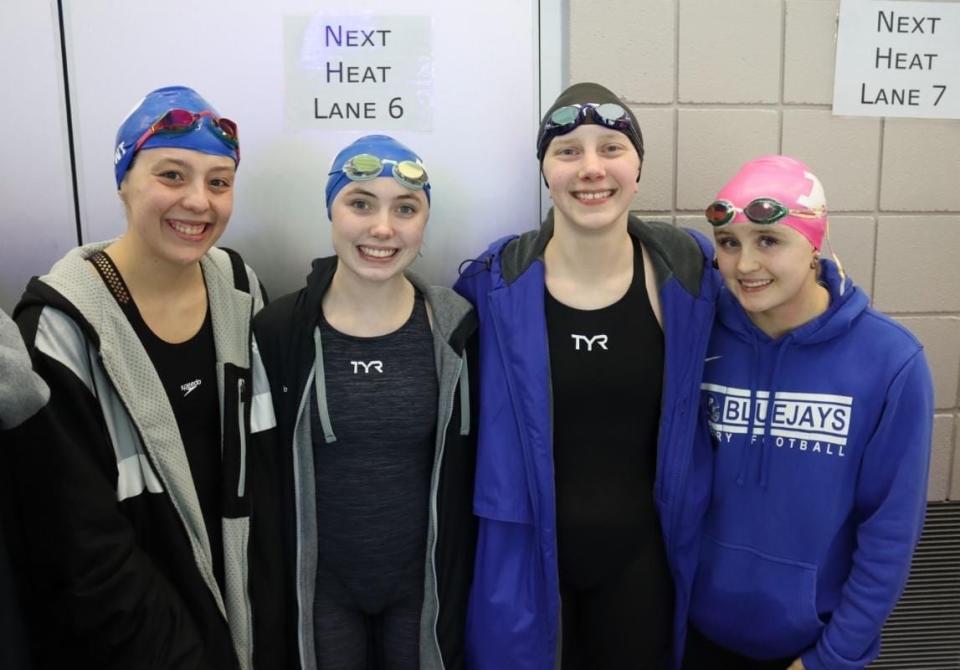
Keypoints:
pixel 107 528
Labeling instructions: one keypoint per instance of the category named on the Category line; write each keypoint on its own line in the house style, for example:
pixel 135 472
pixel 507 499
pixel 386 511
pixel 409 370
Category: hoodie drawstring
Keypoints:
pixel 765 444
pixel 754 401
pixel 464 396
pixel 320 386
pixel 765 436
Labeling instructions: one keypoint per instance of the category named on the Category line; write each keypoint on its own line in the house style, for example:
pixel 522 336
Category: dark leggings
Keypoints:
pixel 612 625
pixel 702 652
pixel 348 637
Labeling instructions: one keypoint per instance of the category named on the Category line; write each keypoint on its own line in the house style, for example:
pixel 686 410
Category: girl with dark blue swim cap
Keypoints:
pixel 374 459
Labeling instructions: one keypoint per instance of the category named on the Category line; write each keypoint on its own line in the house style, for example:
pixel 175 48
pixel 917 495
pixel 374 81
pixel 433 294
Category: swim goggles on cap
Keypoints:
pixel 565 119
pixel 760 210
pixel 363 167
pixel 182 120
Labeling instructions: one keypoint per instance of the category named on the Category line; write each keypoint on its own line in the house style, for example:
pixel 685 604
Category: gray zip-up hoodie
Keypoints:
pixel 289 343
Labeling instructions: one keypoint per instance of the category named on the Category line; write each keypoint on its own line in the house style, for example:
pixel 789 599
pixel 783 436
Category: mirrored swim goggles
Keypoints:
pixel 759 210
pixel 566 119
pixel 182 121
pixel 363 167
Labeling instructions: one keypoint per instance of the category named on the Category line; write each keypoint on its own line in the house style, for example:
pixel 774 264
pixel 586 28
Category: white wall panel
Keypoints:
pixel 36 198
pixel 479 148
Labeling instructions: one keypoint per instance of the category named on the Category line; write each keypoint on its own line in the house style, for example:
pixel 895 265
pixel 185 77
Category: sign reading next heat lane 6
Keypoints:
pixel 359 72
pixel 897 58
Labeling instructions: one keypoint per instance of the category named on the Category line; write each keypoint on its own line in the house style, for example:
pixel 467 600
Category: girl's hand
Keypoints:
pixel 796 665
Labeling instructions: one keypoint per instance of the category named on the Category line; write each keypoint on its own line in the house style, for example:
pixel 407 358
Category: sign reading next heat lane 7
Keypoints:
pixel 897 58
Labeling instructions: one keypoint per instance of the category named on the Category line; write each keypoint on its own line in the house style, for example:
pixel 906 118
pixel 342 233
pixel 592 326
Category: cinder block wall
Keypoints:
pixel 715 83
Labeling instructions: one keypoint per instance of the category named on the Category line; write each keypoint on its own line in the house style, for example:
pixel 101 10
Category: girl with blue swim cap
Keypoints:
pixel 373 466
pixel 131 488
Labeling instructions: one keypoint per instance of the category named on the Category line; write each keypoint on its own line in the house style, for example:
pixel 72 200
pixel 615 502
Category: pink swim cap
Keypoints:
pixel 787 181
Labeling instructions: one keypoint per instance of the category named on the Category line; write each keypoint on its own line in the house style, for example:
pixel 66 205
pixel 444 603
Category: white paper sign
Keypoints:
pixel 359 72
pixel 898 58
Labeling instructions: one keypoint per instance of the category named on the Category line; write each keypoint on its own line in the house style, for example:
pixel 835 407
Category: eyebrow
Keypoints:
pixel 370 194
pixel 165 160
pixel 759 231
pixel 175 161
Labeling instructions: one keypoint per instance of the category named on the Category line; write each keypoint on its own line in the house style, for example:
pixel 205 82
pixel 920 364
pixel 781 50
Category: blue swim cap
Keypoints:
pixel 381 146
pixel 205 137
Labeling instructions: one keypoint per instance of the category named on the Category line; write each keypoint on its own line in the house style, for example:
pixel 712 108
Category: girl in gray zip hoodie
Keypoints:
pixel 372 468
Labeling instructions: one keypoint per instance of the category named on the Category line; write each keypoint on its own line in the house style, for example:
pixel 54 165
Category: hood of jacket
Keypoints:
pixel 672 252
pixel 847 303
pixel 450 315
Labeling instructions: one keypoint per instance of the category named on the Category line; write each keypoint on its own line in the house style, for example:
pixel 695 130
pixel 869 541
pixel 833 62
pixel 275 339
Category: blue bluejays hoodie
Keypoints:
pixel 822 444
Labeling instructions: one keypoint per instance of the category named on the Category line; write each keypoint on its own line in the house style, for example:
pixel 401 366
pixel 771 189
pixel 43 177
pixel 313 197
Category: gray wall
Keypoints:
pixel 715 83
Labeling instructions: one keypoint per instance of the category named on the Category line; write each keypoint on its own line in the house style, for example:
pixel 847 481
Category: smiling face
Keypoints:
pixel 377 228
pixel 178 203
pixel 767 268
pixel 592 175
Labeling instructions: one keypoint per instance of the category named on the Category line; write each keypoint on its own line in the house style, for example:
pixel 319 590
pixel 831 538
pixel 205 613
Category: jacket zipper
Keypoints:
pixel 687 454
pixel 241 485
pixel 298 514
pixel 442 438
pixel 525 449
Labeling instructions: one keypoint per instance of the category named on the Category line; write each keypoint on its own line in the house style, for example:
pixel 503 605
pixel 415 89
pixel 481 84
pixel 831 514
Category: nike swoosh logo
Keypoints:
pixel 711 358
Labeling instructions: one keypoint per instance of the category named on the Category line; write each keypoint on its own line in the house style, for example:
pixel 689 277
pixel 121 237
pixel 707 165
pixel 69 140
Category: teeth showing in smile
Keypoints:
pixel 188 228
pixel 592 195
pixel 377 253
pixel 755 283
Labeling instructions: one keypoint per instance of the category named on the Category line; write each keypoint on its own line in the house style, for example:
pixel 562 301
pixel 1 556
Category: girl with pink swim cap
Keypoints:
pixel 821 410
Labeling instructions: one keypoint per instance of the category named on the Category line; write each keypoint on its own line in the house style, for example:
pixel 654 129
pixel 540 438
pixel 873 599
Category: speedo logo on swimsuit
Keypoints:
pixel 814 422
pixel 189 387
pixel 599 340
pixel 366 367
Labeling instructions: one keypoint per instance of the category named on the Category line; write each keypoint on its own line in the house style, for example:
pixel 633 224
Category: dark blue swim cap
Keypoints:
pixel 381 146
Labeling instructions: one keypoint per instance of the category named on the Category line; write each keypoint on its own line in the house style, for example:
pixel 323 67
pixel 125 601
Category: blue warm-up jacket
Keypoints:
pixel 513 616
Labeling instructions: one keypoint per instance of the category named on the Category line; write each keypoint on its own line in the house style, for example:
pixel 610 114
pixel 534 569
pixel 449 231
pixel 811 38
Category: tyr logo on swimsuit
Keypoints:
pixel 372 365
pixel 600 340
